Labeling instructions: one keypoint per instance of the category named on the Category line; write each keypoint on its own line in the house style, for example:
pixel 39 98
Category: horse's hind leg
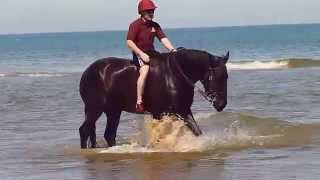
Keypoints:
pixel 157 116
pixel 88 127
pixel 111 127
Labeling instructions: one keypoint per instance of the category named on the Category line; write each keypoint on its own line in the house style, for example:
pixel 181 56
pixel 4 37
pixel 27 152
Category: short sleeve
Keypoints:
pixel 159 33
pixel 132 32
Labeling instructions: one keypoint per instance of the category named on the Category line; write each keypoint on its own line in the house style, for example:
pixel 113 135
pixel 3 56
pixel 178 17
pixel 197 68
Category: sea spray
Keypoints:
pixel 170 134
pixel 228 132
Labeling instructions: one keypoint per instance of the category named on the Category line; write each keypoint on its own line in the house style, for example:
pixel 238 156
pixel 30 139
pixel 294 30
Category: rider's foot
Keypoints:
pixel 140 107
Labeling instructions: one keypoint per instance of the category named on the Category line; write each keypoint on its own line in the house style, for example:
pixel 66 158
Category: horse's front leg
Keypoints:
pixel 192 124
pixel 110 133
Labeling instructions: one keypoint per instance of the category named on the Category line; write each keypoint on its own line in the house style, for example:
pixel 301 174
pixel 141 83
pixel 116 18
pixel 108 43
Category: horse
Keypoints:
pixel 109 86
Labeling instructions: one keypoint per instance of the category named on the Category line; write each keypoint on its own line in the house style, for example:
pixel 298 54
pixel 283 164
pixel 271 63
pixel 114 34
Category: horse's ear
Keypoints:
pixel 225 58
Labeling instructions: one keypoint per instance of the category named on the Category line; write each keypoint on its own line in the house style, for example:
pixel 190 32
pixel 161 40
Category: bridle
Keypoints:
pixel 210 75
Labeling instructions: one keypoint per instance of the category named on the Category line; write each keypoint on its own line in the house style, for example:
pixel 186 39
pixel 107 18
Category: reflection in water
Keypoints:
pixel 40 116
pixel 166 149
pixel 156 166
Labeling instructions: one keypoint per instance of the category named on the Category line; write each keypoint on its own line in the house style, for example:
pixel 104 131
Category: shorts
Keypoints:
pixel 137 61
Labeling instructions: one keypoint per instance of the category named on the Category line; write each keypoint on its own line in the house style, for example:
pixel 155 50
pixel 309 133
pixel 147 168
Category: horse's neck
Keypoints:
pixel 191 68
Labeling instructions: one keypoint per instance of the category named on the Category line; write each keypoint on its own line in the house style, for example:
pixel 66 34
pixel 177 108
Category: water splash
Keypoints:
pixel 171 135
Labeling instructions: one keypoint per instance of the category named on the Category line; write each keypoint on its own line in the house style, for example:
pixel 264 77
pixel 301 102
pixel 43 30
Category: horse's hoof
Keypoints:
pixel 197 133
pixel 111 142
pixel 193 126
pixel 93 146
pixel 83 146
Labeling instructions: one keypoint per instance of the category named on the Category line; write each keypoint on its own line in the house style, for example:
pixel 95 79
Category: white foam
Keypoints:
pixel 2 75
pixel 171 135
pixel 40 75
pixel 257 65
pixel 128 149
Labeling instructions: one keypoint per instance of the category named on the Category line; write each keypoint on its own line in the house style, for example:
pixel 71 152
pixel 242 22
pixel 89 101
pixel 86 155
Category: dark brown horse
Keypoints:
pixel 109 86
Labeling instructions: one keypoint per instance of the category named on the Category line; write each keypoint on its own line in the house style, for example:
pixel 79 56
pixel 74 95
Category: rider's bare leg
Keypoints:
pixel 141 82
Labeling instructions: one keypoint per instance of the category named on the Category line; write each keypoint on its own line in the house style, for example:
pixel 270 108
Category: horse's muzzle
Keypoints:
pixel 219 105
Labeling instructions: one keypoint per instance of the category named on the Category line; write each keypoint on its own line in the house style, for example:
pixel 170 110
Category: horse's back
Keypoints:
pixel 106 77
pixel 113 81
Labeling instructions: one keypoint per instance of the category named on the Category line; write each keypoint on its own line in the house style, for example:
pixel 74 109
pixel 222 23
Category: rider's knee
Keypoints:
pixel 144 70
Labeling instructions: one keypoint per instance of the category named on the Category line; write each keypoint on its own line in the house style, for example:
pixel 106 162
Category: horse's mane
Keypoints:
pixel 214 59
pixel 182 53
pixel 154 54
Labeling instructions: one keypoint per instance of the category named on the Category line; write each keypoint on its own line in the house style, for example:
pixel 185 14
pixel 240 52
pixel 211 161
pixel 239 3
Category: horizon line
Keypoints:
pixel 168 28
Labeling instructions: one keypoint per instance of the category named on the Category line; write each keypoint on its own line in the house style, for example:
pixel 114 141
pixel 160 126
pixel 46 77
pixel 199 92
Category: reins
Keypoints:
pixel 187 79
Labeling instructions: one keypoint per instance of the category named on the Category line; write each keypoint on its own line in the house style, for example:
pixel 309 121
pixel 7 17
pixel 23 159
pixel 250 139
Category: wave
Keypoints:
pixel 40 75
pixel 238 65
pixel 34 74
pixel 274 64
pixel 222 132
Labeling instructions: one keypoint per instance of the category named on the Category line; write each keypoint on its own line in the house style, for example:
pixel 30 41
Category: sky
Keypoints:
pixel 33 16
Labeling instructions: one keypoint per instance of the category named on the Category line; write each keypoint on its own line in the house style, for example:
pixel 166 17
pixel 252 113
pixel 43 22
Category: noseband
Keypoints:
pixel 209 77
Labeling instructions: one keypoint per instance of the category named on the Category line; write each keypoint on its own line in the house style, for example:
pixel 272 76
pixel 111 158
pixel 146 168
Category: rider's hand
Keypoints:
pixel 145 57
pixel 173 50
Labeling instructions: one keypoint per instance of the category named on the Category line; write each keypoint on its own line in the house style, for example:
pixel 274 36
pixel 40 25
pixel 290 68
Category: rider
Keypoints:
pixel 140 39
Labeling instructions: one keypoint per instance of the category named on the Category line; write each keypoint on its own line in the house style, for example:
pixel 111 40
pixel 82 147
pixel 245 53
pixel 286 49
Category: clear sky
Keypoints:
pixel 26 16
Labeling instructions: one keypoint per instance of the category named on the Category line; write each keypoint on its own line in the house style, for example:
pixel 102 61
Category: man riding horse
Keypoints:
pixel 110 86
pixel 140 40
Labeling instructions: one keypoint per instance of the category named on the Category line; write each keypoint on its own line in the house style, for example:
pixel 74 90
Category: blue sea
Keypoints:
pixel 270 128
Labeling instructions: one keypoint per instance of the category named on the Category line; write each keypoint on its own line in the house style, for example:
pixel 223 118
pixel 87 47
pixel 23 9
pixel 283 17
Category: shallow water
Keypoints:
pixel 270 128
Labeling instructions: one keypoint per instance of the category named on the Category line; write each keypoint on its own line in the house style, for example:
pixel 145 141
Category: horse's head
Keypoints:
pixel 209 69
pixel 215 81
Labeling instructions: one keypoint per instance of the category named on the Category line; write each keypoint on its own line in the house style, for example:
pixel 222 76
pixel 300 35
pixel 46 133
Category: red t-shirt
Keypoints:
pixel 142 33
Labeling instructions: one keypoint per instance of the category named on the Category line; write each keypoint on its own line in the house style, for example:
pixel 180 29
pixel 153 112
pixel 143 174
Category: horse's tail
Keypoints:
pixel 91 83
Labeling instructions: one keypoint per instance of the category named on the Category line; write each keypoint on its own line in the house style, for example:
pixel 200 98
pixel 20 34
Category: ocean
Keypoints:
pixel 270 128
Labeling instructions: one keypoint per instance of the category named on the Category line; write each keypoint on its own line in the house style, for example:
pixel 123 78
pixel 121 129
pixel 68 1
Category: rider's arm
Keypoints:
pixel 163 38
pixel 131 45
pixel 167 44
pixel 131 36
pixel 139 52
